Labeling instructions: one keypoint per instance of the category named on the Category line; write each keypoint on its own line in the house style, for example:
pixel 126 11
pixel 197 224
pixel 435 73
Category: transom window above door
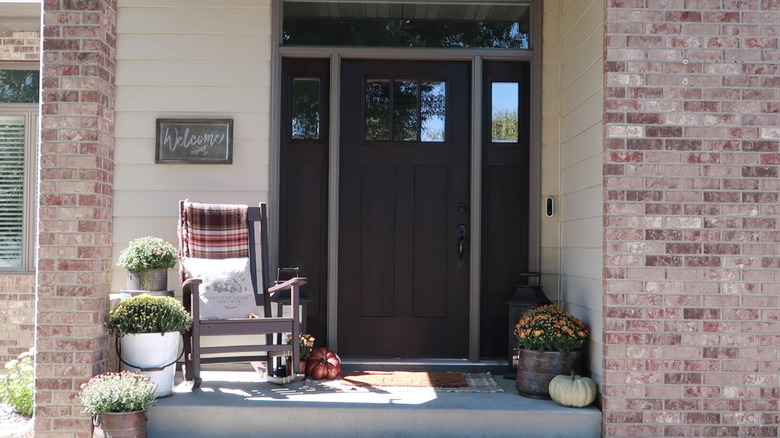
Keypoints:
pixel 459 24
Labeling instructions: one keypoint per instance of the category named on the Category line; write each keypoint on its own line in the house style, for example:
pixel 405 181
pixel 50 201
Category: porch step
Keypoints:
pixel 240 404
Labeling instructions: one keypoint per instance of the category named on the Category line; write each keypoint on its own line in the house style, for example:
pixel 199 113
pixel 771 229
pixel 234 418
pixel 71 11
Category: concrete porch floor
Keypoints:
pixel 239 403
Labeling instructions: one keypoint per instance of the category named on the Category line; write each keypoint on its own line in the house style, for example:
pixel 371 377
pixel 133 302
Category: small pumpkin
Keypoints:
pixel 323 364
pixel 573 390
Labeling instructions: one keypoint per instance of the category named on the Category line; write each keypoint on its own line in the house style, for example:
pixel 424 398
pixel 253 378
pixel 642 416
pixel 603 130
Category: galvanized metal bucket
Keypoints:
pixel 152 279
pixel 535 370
pixel 119 425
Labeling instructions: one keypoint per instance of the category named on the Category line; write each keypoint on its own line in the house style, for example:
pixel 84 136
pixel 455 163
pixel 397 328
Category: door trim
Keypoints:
pixel 333 201
pixel 475 274
pixel 476 56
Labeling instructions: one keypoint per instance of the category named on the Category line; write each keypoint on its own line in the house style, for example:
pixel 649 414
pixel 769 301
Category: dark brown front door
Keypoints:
pixel 404 230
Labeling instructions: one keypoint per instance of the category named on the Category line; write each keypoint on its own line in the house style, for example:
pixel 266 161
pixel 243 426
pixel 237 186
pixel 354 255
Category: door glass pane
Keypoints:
pixel 432 111
pixel 504 120
pixel 377 124
pixel 12 143
pixel 306 109
pixel 475 24
pixel 417 109
pixel 405 117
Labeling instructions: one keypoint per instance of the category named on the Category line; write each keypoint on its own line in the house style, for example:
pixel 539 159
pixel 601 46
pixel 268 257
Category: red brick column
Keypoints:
pixel 692 231
pixel 77 121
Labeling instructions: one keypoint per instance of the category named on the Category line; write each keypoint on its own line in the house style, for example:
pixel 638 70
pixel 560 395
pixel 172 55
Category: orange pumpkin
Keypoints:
pixel 323 364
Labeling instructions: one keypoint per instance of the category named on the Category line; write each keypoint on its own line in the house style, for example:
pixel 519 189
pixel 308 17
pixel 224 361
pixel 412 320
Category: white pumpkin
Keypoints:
pixel 573 390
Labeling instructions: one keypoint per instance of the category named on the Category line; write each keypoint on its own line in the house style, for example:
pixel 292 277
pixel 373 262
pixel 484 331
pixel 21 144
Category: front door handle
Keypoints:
pixel 460 235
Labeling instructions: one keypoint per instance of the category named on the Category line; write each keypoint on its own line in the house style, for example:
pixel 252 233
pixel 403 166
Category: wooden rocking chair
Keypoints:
pixel 215 241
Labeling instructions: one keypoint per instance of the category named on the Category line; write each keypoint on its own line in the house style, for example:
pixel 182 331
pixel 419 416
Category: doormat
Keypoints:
pixel 407 381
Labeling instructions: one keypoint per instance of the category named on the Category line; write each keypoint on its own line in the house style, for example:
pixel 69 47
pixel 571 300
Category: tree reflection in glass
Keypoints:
pixel 19 86
pixel 414 111
pixel 405 116
pixel 432 110
pixel 306 109
pixel 377 110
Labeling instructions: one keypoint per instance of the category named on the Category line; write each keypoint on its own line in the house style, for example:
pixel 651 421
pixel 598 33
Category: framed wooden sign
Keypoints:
pixel 207 141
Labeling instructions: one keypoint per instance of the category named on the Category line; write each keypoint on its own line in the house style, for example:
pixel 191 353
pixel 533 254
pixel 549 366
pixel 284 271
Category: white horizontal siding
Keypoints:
pixel 196 178
pixel 585 144
pixel 572 123
pixel 188 59
pixel 200 4
pixel 229 18
pixel 580 176
pixel 578 234
pixel 189 73
pixel 551 148
pixel 580 100
pixel 193 47
pixel 192 101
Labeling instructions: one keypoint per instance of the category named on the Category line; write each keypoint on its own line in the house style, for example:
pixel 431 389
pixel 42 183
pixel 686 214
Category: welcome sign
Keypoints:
pixel 194 141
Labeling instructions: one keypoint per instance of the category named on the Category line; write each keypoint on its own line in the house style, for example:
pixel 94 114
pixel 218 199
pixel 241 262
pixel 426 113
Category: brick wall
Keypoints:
pixel 692 125
pixel 17 315
pixel 19 46
pixel 17 291
pixel 75 208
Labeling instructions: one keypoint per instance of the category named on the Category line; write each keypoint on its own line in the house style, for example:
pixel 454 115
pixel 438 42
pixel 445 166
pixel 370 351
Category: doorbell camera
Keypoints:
pixel 549 206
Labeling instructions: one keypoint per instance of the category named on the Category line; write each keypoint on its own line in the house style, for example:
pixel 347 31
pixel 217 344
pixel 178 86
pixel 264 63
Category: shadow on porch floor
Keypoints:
pixel 239 403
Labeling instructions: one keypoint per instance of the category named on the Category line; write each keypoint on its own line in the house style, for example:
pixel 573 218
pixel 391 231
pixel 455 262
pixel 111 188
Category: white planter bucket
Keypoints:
pixel 153 355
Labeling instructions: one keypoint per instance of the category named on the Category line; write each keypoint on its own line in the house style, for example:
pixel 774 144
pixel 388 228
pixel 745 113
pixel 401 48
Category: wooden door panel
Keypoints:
pixel 377 241
pixel 430 248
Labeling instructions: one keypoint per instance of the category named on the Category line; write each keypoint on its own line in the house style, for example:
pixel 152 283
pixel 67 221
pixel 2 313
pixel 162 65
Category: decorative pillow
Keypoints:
pixel 226 291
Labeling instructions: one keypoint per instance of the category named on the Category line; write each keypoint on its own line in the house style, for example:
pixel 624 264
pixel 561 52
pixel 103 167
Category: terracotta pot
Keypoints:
pixel 119 425
pixel 301 366
pixel 535 370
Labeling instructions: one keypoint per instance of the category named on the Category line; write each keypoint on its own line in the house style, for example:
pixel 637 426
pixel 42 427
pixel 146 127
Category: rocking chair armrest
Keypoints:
pixel 294 285
pixel 289 284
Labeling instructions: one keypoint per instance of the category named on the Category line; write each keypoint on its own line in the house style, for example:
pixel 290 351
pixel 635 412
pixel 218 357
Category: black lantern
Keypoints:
pixel 282 298
pixel 526 297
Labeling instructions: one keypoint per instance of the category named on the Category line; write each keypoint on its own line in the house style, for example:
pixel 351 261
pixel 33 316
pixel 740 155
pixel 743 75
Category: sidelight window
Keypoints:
pixel 306 109
pixel 505 102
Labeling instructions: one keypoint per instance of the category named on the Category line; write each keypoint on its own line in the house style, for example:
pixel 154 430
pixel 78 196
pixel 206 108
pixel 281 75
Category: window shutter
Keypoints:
pixel 12 145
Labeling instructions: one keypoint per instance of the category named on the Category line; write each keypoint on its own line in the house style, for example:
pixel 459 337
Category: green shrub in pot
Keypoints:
pixel 148 314
pixel 146 253
pixel 117 392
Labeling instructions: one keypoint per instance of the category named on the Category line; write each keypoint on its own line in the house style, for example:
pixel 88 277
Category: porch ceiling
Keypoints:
pixel 476 11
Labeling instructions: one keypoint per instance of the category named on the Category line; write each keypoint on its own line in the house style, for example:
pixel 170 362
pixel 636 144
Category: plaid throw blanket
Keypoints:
pixel 213 231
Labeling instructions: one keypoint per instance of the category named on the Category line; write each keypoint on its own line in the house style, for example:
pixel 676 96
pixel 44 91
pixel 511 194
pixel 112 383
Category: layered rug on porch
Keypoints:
pixel 411 381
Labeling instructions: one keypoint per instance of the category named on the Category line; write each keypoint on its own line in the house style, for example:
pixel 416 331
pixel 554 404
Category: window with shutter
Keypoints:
pixel 18 140
pixel 12 171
